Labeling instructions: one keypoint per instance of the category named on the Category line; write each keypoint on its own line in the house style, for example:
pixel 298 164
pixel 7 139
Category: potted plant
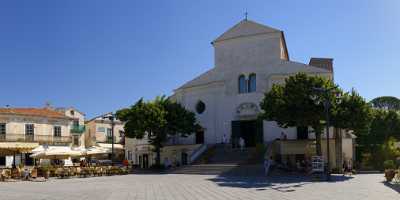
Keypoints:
pixel 45 171
pixel 390 171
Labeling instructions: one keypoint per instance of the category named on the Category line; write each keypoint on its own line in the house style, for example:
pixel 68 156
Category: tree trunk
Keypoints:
pixel 338 149
pixel 318 147
pixel 158 156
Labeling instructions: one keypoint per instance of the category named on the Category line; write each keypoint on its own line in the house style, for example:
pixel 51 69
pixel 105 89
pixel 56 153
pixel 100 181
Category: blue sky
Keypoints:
pixel 99 56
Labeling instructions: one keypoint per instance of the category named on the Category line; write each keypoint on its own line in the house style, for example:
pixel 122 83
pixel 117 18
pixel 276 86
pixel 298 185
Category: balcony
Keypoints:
pixel 78 129
pixel 46 139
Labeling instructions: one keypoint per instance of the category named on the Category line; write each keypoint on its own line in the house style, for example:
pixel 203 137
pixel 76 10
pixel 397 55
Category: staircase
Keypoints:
pixel 224 161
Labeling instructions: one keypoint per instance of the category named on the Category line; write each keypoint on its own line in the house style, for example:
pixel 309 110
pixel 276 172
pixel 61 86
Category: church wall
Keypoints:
pixel 209 95
pixel 248 51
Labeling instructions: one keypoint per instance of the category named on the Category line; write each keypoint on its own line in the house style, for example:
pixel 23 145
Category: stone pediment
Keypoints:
pixel 247 109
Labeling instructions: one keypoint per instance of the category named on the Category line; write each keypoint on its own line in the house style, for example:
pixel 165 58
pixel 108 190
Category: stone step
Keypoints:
pixel 221 170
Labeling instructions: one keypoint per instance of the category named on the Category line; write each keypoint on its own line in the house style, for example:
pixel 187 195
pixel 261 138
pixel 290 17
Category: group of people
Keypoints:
pixel 236 142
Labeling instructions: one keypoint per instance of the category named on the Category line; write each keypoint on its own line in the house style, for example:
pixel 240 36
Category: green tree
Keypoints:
pixel 297 103
pixel 352 112
pixel 158 119
pixel 386 102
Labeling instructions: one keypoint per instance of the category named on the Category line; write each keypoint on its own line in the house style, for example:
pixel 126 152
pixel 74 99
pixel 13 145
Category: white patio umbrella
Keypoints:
pixel 57 153
pixel 95 150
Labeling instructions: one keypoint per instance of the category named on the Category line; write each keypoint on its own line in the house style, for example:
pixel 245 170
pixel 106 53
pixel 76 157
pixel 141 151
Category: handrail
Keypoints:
pixel 197 153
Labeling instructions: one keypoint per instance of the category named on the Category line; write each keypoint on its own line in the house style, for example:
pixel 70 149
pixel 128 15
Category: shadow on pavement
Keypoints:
pixel 283 182
pixel 395 187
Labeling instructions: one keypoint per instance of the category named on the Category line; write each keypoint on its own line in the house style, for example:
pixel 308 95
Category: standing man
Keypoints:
pixel 241 143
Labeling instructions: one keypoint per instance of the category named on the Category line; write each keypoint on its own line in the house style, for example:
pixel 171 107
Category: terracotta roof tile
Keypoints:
pixel 40 112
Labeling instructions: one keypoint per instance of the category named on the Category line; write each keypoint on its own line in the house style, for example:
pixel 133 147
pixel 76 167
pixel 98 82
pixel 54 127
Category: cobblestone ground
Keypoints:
pixel 200 187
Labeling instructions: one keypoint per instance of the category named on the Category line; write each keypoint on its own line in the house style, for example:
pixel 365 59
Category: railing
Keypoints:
pixel 78 129
pixel 34 138
pixel 197 153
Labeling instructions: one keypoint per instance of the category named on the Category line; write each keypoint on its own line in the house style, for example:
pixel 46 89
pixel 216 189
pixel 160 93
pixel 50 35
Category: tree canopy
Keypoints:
pixel 297 103
pixel 158 120
pixel 352 112
pixel 386 102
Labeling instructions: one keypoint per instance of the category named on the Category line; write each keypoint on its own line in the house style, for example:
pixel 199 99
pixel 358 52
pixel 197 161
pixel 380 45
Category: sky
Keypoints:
pixel 99 55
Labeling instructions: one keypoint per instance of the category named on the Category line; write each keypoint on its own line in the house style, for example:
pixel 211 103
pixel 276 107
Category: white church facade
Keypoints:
pixel 249 59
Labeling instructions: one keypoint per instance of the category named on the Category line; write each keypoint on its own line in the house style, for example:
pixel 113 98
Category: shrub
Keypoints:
pixel 389 164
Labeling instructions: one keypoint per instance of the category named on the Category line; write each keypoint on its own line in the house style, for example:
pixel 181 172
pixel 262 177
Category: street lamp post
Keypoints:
pixel 327 105
pixel 111 117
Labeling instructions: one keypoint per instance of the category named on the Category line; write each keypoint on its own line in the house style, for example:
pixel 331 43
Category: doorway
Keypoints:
pixel 2 160
pixel 184 158
pixel 200 137
pixel 302 133
pixel 28 159
pixel 144 161
pixel 250 130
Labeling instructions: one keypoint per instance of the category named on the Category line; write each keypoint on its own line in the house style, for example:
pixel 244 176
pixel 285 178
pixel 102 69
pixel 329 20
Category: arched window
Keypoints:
pixel 252 83
pixel 242 84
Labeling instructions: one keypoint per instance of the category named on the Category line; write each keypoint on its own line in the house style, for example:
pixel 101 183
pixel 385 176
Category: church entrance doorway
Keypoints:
pixel 250 130
pixel 200 137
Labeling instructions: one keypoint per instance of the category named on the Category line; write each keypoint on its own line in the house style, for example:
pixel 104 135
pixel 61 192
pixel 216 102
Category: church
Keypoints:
pixel 248 59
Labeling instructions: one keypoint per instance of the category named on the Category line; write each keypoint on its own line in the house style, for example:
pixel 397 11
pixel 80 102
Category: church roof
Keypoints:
pixel 291 67
pixel 284 67
pixel 205 78
pixel 245 28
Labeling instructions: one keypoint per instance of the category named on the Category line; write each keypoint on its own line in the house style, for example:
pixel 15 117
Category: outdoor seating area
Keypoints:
pixel 45 172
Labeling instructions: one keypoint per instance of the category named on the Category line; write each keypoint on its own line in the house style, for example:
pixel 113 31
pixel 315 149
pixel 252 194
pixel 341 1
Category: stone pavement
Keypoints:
pixel 200 187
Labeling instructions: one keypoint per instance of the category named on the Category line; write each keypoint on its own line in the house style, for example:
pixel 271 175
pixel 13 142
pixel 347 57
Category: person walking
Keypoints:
pixel 241 143
pixel 267 164
pixel 224 139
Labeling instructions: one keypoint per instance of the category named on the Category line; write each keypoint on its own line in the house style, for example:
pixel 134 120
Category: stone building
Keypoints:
pixel 24 129
pixel 98 133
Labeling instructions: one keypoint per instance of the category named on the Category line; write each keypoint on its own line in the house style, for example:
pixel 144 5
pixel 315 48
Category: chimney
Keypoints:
pixel 324 63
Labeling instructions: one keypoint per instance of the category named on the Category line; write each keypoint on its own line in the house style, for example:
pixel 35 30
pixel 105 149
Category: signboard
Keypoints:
pixel 317 164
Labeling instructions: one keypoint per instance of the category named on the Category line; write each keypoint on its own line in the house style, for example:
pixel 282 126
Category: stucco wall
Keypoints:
pixel 42 126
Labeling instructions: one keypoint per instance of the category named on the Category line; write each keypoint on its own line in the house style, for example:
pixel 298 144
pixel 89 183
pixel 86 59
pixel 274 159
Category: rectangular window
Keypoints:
pixel 129 155
pixel 101 129
pixel 109 135
pixel 29 129
pixel 57 131
pixel 2 128
pixel 76 122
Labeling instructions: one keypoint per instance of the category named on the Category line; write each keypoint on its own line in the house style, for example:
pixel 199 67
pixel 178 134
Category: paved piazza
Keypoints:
pixel 199 187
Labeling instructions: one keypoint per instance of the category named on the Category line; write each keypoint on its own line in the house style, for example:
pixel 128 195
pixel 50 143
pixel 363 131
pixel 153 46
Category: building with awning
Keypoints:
pixel 24 129
pixel 101 132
